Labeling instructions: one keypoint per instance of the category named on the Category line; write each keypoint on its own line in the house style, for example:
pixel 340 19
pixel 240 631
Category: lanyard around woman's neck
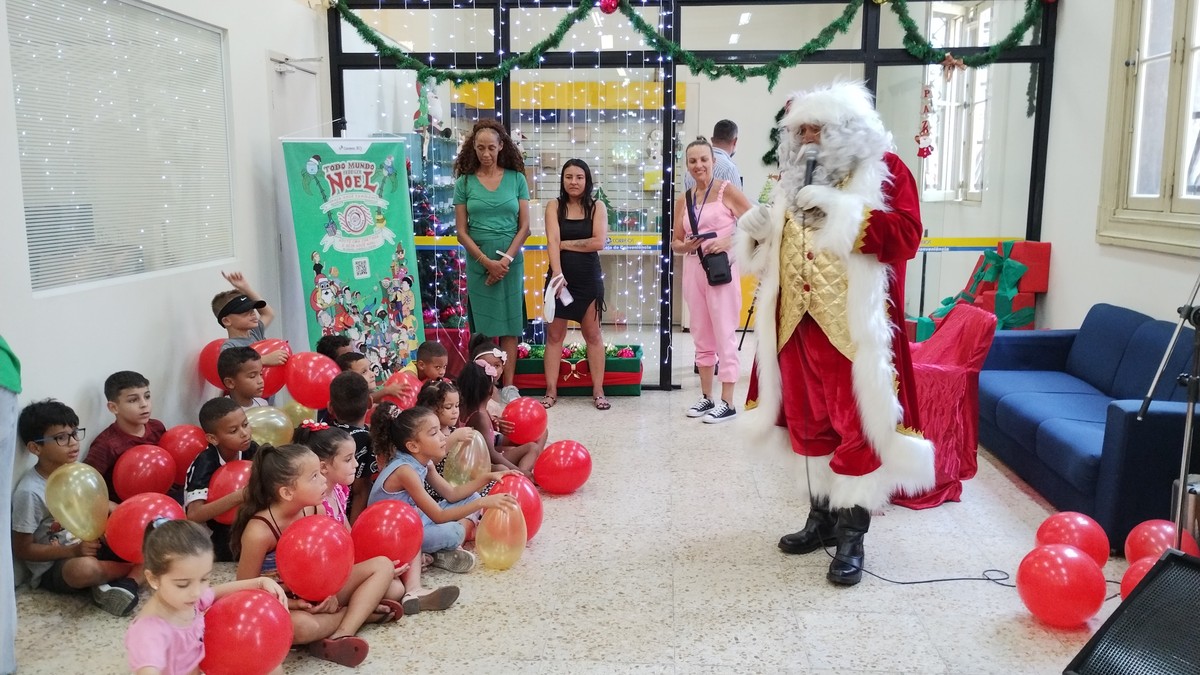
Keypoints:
pixel 702 204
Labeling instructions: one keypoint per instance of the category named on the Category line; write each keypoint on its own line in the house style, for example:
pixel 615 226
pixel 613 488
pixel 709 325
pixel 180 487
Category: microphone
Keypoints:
pixel 810 164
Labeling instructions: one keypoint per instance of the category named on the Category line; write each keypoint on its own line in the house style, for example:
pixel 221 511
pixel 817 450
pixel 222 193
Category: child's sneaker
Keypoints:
pixel 457 560
pixel 722 412
pixel 702 407
pixel 117 598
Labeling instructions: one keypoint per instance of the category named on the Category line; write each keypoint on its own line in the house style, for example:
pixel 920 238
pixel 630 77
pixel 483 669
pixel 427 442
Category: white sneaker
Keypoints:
pixel 722 412
pixel 701 408
pixel 457 560
pixel 510 394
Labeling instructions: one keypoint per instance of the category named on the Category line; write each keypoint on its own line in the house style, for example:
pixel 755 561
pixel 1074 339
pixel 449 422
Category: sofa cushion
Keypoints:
pixel 994 385
pixel 1071 448
pixel 1142 356
pixel 1101 344
pixel 1020 415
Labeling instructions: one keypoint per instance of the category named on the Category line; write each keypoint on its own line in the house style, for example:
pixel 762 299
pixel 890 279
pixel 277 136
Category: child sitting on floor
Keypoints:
pixel 409 442
pixel 168 634
pixel 432 360
pixel 475 387
pixel 55 558
pixel 336 449
pixel 286 485
pixel 128 395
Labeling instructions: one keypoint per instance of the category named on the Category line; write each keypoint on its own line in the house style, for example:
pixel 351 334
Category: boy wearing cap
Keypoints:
pixel 246 316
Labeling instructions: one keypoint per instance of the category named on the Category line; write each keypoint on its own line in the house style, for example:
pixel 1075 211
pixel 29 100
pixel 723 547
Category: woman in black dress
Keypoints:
pixel 576 230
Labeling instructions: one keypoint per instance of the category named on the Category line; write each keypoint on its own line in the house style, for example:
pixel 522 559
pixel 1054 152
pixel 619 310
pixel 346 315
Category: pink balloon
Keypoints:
pixel 1078 530
pixel 1061 585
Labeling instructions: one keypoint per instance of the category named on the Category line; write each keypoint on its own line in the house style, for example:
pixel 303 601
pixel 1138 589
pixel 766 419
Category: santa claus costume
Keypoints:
pixel 834 371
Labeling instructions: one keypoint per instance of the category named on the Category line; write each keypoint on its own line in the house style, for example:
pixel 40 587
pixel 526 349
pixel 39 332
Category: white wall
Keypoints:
pixel 1082 272
pixel 69 341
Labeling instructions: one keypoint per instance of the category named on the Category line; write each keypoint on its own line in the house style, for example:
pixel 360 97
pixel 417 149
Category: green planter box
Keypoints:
pixel 622 377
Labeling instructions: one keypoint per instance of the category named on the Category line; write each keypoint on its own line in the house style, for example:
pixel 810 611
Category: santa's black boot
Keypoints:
pixel 851 527
pixel 817 532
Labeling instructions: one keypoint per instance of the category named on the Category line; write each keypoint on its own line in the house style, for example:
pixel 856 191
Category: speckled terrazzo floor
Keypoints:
pixel 665 562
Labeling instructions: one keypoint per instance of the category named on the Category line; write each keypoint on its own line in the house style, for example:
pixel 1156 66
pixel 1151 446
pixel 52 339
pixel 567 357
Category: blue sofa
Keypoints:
pixel 1060 408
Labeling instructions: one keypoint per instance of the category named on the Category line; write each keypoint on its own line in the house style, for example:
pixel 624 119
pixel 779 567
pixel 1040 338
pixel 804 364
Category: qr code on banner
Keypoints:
pixel 362 267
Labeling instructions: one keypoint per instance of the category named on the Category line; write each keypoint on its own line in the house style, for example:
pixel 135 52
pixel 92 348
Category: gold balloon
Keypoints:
pixel 269 425
pixel 78 499
pixel 467 460
pixel 298 413
pixel 500 539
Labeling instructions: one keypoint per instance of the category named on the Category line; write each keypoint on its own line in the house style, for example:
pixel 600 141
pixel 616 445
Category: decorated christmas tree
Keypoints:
pixel 426 222
pixel 443 288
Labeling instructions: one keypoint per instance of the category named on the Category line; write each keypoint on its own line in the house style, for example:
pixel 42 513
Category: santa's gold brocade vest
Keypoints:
pixel 812 282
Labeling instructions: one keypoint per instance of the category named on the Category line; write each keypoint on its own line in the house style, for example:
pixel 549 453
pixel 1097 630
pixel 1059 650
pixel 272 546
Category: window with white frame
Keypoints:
pixel 955 170
pixel 1151 180
pixel 123 139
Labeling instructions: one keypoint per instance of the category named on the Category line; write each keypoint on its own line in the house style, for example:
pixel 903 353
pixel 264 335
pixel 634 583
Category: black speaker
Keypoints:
pixel 1155 631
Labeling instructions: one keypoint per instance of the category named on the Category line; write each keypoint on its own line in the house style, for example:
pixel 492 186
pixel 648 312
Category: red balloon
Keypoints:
pixel 183 443
pixel 388 528
pixel 528 498
pixel 143 468
pixel 315 556
pixel 274 377
pixel 127 524
pixel 563 467
pixel 1135 573
pixel 528 417
pixel 208 362
pixel 233 476
pixel 414 383
pixel 1150 538
pixel 1078 530
pixel 308 378
pixel 1061 585
pixel 246 633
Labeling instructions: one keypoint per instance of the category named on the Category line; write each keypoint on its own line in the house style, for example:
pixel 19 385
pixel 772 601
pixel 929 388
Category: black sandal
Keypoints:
pixel 601 402
pixel 548 401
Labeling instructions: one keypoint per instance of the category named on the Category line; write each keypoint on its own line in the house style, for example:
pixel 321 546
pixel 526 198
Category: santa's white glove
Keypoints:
pixel 756 222
pixel 820 197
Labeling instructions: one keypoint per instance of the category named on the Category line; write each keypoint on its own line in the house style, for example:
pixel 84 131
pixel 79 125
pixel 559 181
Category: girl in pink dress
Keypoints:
pixel 167 637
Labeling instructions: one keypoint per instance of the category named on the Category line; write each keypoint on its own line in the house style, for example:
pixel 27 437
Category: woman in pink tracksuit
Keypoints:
pixel 714 310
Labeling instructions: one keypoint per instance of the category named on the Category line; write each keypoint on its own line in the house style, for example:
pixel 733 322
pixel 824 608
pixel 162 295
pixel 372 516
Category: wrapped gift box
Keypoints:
pixel 1035 255
pixel 622 377
pixel 1019 318
pixel 976 285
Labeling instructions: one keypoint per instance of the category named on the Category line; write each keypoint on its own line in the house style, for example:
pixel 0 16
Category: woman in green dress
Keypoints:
pixel 491 214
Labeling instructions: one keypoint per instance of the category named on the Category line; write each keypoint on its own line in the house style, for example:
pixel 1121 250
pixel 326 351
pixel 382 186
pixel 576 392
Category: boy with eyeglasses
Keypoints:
pixel 58 561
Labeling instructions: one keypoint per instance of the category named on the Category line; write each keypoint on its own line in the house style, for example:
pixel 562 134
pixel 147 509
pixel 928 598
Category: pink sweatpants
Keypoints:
pixel 713 313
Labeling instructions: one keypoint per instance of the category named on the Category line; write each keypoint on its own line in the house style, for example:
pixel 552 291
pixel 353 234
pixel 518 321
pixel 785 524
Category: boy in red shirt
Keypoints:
pixel 128 395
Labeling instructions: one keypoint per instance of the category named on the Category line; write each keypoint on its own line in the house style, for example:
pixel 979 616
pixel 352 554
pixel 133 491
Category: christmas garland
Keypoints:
pixel 914 43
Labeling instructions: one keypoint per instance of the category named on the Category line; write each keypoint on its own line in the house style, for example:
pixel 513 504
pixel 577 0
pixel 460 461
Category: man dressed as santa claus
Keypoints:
pixel 833 361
